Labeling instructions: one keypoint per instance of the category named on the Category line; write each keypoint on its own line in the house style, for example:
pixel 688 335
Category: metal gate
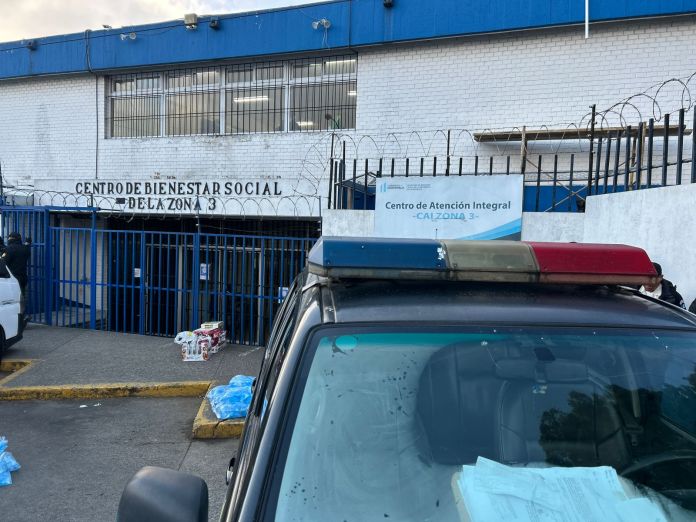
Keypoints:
pixel 154 283
pixel 31 223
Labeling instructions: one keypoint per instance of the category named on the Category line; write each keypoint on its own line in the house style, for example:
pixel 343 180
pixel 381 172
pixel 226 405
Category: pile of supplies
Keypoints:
pixel 200 344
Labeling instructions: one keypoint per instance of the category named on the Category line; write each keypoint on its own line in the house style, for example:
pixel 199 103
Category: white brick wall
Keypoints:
pixel 47 126
pixel 537 78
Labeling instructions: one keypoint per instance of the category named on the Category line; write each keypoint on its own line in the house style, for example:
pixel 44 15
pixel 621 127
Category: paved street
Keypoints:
pixel 76 460
pixel 77 455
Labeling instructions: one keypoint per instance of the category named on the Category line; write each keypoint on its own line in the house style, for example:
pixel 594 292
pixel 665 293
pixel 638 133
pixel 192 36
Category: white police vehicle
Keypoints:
pixel 461 381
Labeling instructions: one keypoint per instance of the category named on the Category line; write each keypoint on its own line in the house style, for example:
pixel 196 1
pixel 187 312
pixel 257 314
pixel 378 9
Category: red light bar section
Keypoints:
pixel 587 263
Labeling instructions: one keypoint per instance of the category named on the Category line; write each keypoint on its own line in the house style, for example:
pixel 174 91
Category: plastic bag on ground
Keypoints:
pixel 7 463
pixel 231 401
pixel 241 380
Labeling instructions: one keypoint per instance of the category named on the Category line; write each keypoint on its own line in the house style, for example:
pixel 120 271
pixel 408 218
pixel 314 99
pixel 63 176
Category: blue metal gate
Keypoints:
pixel 154 283
pixel 32 224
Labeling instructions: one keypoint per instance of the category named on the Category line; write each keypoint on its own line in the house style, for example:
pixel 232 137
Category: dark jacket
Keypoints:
pixel 16 257
pixel 669 294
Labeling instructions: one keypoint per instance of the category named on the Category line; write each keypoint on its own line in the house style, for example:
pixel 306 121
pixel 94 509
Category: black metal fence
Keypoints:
pixel 637 157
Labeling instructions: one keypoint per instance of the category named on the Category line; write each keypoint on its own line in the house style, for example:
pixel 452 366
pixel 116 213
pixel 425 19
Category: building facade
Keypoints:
pixel 228 125
pixel 131 109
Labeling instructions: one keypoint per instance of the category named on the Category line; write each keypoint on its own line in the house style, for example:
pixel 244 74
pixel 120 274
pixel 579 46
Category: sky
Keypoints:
pixel 24 19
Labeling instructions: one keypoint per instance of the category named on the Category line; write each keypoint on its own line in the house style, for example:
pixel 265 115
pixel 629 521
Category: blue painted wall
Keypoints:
pixel 355 23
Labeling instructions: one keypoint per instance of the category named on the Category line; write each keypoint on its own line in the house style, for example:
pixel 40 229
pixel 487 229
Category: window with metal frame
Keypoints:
pixel 308 94
pixel 192 102
pixel 135 107
pixel 255 98
pixel 323 92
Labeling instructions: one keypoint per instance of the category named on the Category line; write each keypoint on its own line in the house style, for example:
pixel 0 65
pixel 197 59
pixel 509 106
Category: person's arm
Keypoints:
pixel 671 295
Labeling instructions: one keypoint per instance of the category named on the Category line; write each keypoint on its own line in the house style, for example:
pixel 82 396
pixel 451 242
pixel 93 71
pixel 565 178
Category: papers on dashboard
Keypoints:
pixel 493 491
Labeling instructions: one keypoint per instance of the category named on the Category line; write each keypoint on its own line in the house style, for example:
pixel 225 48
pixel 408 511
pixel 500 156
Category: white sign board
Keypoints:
pixel 452 207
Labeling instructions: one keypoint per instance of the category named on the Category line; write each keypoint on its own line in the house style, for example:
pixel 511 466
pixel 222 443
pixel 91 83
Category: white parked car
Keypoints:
pixel 11 323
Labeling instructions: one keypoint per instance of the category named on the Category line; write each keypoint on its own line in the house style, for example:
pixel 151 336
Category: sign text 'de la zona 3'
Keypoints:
pixel 176 195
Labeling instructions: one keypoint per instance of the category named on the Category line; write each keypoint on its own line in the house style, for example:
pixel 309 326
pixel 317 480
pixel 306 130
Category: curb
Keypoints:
pixel 14 367
pixel 207 426
pixel 104 391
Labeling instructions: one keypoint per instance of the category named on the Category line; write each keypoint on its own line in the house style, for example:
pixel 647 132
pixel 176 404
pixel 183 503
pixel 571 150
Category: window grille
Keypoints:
pixel 323 93
pixel 255 98
pixel 135 106
pixel 308 94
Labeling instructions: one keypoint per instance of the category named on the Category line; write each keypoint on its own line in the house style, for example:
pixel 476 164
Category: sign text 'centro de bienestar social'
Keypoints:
pixel 452 207
pixel 153 195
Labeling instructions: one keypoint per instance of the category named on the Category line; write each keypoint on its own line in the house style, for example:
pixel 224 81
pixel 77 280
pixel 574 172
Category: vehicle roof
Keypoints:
pixel 375 301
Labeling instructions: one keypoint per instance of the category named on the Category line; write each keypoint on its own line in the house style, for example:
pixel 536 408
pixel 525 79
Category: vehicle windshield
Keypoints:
pixel 490 424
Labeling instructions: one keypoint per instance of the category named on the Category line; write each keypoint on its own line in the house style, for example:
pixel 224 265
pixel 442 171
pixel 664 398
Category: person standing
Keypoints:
pixel 663 289
pixel 16 257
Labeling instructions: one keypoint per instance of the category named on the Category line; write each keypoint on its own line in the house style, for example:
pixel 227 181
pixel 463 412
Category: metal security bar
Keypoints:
pixel 307 94
pixel 192 102
pixel 243 279
pixel 353 182
pixel 156 283
pixel 255 98
pixel 622 159
pixel 135 106
pixel 323 93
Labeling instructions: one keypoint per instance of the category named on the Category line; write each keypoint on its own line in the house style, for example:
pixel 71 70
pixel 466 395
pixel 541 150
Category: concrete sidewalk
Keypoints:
pixel 70 356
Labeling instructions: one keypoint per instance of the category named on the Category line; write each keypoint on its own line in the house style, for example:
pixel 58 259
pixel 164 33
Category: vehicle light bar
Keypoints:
pixel 503 261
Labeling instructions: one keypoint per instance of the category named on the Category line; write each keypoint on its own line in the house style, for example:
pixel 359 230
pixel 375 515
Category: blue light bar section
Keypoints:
pixel 353 252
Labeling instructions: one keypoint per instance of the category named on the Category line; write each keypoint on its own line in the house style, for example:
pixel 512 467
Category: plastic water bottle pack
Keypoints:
pixel 232 400
pixel 7 464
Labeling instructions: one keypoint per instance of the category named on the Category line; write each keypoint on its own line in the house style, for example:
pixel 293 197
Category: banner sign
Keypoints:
pixel 452 207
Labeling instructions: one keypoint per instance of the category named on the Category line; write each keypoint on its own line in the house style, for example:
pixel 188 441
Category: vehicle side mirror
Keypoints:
pixel 159 495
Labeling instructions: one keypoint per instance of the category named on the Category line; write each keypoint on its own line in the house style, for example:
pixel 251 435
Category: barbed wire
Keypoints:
pixel 666 97
pixel 204 206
